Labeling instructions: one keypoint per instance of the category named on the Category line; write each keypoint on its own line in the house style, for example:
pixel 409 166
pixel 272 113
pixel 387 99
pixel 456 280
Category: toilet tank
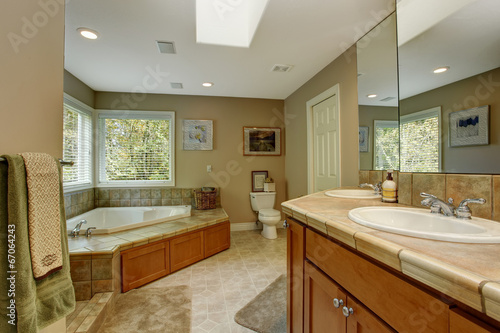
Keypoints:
pixel 262 200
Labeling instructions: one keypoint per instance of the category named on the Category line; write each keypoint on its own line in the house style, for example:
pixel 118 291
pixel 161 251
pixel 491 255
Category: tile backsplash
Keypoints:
pixel 79 202
pixel 444 186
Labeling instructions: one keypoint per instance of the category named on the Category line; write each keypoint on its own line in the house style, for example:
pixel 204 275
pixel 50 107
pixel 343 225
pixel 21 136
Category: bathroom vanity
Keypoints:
pixel 343 276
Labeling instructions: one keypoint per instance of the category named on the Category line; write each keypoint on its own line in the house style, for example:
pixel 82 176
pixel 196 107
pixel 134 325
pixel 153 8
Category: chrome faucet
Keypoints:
pixel 438 206
pixel 463 210
pixel 89 231
pixel 377 188
pixel 76 230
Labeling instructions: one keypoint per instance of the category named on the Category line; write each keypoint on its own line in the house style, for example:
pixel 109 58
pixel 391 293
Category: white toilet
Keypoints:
pixel 263 203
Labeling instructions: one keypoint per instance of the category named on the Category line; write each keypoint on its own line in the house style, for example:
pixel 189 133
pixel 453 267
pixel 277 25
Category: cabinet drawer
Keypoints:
pixel 402 305
pixel 144 264
pixel 186 250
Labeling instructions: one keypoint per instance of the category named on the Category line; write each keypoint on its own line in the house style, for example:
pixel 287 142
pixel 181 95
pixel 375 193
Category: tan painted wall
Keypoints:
pixel 483 89
pixel 77 89
pixel 367 115
pixel 343 71
pixel 32 47
pixel 231 171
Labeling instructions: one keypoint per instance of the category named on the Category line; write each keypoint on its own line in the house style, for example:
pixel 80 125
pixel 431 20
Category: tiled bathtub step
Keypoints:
pixel 89 315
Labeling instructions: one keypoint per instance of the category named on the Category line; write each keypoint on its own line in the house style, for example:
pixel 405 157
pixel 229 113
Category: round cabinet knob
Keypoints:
pixel 337 302
pixel 285 224
pixel 347 311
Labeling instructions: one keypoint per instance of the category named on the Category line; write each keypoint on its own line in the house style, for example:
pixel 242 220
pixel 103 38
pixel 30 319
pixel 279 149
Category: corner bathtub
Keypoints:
pixel 111 220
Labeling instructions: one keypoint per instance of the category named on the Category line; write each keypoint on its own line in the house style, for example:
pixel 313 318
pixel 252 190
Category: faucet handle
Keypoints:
pixel 463 211
pixel 89 231
pixel 427 195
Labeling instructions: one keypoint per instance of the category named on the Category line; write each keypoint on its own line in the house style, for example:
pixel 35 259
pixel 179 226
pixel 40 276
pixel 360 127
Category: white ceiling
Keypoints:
pixel 306 34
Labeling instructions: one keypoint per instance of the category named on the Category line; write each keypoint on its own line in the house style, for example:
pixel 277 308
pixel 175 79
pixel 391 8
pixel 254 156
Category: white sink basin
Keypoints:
pixel 421 223
pixel 353 194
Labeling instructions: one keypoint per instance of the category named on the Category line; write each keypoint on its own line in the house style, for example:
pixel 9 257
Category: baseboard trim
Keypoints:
pixel 251 226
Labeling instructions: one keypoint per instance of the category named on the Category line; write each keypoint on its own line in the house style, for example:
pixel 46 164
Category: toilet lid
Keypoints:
pixel 269 212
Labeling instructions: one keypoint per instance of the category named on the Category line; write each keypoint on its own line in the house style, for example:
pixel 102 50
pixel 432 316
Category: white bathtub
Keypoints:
pixel 111 220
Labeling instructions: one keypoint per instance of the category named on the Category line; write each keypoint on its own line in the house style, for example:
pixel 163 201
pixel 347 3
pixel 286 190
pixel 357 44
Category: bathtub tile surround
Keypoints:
pixel 95 261
pixel 444 186
pixel 77 203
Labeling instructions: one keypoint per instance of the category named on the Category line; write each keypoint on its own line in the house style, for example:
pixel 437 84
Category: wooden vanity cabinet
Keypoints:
pixel 462 322
pixel 328 308
pixel 296 233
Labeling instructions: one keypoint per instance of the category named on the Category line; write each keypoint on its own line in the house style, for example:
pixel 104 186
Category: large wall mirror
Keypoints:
pixel 378 97
pixel 450 121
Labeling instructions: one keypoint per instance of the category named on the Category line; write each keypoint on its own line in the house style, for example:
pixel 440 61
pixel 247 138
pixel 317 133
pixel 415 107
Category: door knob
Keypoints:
pixel 347 311
pixel 285 224
pixel 337 302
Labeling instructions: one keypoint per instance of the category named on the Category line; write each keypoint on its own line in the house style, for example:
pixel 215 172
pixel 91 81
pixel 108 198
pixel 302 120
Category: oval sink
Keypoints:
pixel 353 194
pixel 421 223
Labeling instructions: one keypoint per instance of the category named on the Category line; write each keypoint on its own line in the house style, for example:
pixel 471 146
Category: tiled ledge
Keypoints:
pixel 469 273
pixel 95 261
pixel 89 315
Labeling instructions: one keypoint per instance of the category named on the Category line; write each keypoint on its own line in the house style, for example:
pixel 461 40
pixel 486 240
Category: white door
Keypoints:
pixel 325 132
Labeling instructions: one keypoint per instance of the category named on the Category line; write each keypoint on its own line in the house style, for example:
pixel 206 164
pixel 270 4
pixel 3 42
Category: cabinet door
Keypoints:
pixel 321 314
pixel 217 238
pixel 144 264
pixel 295 276
pixel 461 322
pixel 363 320
pixel 186 250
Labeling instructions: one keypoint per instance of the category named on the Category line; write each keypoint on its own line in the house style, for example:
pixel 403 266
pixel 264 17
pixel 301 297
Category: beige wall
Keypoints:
pixel 231 171
pixel 367 115
pixel 342 71
pixel 475 91
pixel 77 89
pixel 31 66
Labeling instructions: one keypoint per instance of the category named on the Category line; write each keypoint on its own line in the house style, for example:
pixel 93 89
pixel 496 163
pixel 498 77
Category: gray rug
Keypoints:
pixel 266 313
pixel 151 310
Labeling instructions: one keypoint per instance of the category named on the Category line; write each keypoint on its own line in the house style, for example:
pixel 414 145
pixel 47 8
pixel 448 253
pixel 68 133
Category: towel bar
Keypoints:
pixel 60 161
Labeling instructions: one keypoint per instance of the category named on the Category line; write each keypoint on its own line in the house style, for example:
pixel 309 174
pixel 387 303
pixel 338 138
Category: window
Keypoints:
pixel 136 148
pixel 386 145
pixel 421 141
pixel 77 143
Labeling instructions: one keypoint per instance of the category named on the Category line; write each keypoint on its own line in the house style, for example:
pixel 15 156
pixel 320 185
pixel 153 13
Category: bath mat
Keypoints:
pixel 266 313
pixel 166 310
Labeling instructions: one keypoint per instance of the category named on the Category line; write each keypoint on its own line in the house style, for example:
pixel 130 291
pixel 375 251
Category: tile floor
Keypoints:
pixel 225 282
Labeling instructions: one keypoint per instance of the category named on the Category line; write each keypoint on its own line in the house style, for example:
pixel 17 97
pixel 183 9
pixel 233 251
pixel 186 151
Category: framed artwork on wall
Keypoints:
pixel 469 127
pixel 198 134
pixel 262 141
pixel 363 139
pixel 258 180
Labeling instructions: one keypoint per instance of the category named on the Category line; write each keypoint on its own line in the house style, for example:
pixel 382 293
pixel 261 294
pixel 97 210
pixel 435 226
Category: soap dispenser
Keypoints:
pixel 389 188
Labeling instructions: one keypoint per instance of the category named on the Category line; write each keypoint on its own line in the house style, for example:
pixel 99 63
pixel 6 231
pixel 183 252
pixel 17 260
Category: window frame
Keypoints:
pixel 423 115
pixel 132 114
pixel 383 124
pixel 73 103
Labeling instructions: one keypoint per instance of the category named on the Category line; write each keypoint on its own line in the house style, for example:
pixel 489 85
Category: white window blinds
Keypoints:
pixel 386 144
pixel 77 143
pixel 421 141
pixel 136 147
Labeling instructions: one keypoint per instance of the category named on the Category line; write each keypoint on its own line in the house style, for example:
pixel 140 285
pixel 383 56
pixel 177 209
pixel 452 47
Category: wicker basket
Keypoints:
pixel 205 199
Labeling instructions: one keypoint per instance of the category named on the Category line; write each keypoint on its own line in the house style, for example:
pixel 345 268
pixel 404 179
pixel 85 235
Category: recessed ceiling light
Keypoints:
pixel 371 95
pixel 207 84
pixel 88 33
pixel 441 69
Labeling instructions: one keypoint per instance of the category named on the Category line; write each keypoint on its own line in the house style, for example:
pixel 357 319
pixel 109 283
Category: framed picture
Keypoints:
pixel 198 135
pixel 258 180
pixel 363 139
pixel 262 141
pixel 469 127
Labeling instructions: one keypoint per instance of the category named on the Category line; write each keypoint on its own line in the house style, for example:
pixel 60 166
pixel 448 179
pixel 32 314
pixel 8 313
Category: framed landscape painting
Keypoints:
pixel 262 141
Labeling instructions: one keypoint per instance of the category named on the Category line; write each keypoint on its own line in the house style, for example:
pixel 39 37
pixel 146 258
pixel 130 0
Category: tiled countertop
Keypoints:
pixel 105 244
pixel 470 273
